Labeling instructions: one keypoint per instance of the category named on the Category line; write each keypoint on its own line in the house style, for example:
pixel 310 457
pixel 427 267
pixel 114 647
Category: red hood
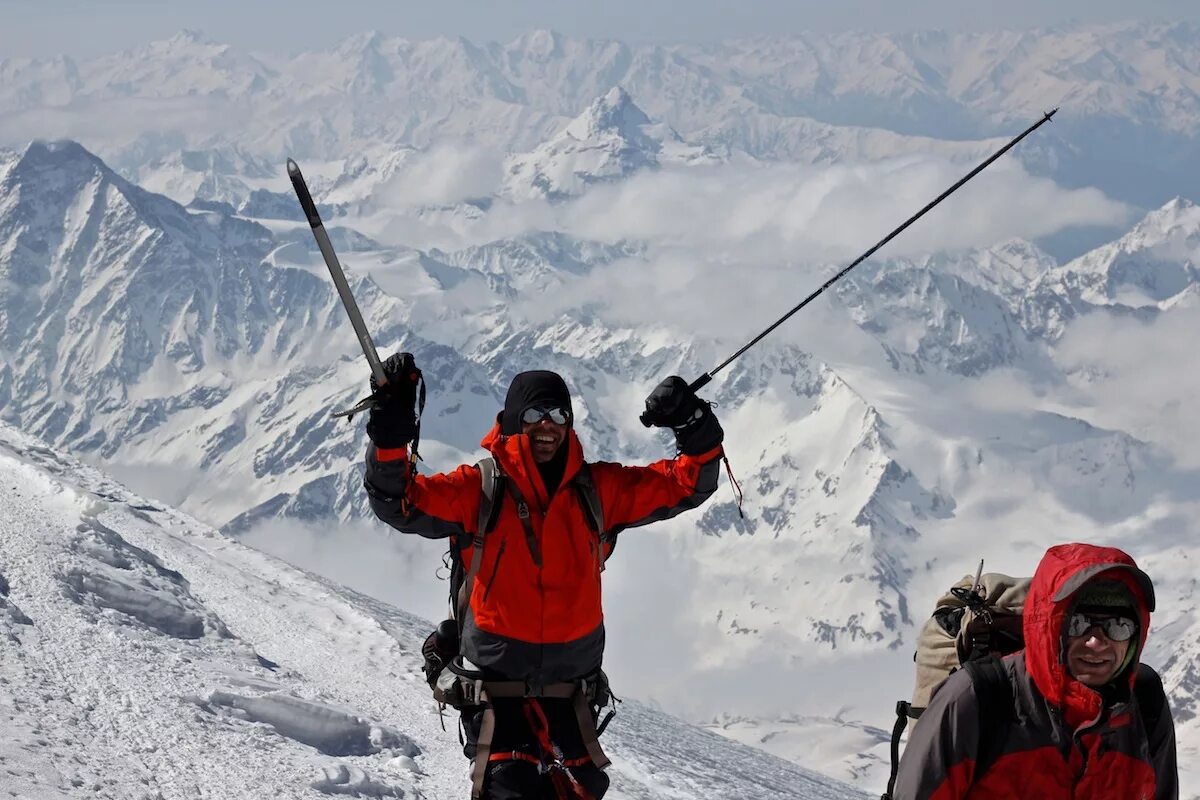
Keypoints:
pixel 1062 571
pixel 515 456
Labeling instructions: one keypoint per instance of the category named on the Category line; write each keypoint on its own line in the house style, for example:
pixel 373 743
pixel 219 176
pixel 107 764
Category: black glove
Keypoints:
pixel 393 420
pixel 674 405
pixel 439 649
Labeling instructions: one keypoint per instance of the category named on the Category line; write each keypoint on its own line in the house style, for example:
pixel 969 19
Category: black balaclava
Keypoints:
pixel 538 388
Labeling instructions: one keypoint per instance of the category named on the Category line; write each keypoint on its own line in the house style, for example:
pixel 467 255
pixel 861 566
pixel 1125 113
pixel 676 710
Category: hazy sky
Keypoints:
pixel 84 28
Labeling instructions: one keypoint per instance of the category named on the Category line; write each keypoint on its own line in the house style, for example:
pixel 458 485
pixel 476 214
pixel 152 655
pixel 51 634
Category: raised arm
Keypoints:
pixel 634 496
pixel 436 506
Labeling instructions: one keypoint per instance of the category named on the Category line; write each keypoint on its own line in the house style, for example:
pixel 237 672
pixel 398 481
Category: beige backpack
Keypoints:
pixel 978 617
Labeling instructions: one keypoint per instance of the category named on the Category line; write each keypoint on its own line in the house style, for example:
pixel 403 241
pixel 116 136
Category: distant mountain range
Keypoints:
pixel 1130 97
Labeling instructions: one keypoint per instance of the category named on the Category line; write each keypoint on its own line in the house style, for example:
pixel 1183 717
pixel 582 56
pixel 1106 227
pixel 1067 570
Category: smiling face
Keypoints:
pixel 1093 659
pixel 545 437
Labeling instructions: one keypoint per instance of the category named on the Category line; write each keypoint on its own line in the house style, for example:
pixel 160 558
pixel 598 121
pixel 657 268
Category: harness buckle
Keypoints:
pixel 552 761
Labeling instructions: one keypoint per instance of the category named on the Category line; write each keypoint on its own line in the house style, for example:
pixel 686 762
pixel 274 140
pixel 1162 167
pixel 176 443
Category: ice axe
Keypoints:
pixel 343 289
pixel 704 379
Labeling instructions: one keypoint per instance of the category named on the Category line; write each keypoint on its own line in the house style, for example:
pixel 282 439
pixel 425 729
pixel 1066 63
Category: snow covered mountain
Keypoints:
pixel 147 655
pixel 611 140
pixel 960 313
pixel 199 353
pixel 154 313
pixel 535 262
pixel 1149 269
pixel 1129 93
pixel 223 175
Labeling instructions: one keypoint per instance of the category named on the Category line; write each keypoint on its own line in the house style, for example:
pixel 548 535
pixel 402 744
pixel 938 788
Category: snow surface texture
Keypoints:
pixel 274 683
pixel 957 400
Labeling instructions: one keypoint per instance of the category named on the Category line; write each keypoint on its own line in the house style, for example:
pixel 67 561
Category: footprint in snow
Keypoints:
pixel 342 779
pixel 330 730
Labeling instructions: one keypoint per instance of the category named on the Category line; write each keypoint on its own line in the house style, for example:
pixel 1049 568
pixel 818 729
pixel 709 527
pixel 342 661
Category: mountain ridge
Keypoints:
pixel 1120 127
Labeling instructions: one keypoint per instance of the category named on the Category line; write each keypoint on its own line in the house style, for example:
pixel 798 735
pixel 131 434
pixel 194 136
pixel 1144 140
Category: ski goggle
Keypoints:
pixel 532 416
pixel 1117 629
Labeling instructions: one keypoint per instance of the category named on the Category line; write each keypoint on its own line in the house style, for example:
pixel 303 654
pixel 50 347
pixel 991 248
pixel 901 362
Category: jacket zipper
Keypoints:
pixel 1078 734
pixel 495 570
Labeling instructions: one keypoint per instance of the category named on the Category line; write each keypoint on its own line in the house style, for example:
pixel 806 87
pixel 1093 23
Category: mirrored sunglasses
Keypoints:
pixel 1117 629
pixel 532 416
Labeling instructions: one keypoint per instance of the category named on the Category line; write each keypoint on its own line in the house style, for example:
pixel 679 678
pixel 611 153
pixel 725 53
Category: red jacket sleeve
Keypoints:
pixel 433 506
pixel 633 496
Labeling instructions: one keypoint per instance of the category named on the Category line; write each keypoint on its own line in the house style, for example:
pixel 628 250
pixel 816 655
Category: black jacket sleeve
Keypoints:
pixel 940 754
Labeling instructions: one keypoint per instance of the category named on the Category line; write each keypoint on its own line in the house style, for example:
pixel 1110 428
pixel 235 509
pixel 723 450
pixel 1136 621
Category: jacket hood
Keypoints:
pixel 1062 572
pixel 514 454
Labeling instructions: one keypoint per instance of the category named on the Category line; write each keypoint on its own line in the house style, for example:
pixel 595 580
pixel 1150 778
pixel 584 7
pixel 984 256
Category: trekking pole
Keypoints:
pixel 704 379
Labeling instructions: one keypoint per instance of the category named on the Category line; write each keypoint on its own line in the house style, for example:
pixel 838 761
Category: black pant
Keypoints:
pixel 520 780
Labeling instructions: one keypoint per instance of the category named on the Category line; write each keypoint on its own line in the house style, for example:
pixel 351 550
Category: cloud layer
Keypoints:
pixel 441 175
pixel 707 229
pixel 771 211
pixel 1127 367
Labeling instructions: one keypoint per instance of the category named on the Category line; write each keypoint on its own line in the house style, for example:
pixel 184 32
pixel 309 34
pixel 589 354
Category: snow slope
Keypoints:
pixel 153 657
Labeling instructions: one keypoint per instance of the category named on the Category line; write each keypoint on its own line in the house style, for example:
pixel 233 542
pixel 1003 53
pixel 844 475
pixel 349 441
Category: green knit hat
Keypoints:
pixel 1106 595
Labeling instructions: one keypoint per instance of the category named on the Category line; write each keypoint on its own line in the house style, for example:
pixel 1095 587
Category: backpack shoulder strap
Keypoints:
pixel 994 693
pixel 586 489
pixel 904 712
pixel 589 498
pixel 1150 696
pixel 491 494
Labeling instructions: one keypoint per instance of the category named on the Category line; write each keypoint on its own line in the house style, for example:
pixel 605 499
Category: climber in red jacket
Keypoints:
pixel 533 626
pixel 1072 728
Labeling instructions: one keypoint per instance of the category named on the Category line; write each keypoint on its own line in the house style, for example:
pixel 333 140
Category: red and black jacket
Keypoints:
pixel 542 624
pixel 1064 741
